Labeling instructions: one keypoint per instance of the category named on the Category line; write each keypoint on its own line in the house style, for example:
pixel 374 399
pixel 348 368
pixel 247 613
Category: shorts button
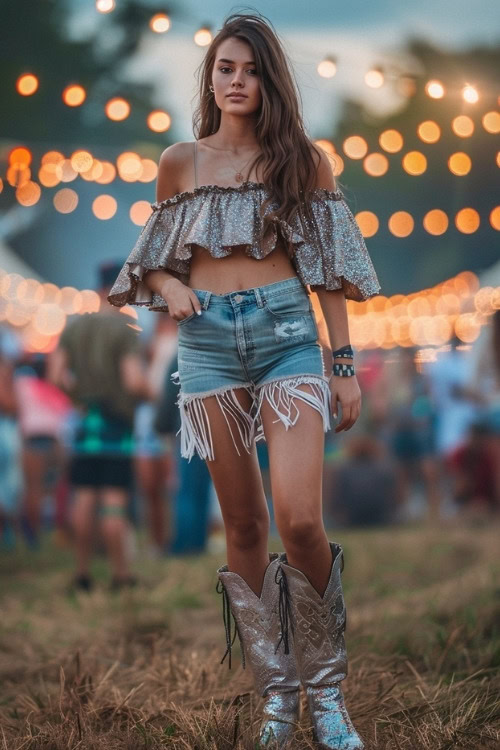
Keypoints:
pixel 238 298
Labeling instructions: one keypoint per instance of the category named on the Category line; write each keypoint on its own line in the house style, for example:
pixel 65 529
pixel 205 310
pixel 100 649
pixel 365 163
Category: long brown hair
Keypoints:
pixel 289 171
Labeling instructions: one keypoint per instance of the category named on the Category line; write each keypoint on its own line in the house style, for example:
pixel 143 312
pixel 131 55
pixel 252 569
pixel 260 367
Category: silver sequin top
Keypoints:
pixel 218 218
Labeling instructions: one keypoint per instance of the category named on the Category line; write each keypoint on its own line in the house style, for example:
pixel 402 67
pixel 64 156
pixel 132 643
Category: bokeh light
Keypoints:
pixel 140 211
pixel 105 6
pixel 28 193
pixel 327 67
pixel 159 121
pixel 429 131
pixel 391 141
pixel 414 163
pixel 495 218
pixel 368 223
pixel 376 164
pixel 104 207
pixel 65 200
pixel 117 109
pixel 459 163
pixel 470 94
pixel 435 222
pixel 491 122
pixel 401 224
pixel 434 89
pixel 374 78
pixel 462 126
pixel 27 84
pixel 467 220
pixel 74 95
pixel 355 147
pixel 159 23
pixel 203 36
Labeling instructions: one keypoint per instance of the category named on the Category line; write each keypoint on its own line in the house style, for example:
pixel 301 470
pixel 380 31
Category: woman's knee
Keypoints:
pixel 246 532
pixel 299 530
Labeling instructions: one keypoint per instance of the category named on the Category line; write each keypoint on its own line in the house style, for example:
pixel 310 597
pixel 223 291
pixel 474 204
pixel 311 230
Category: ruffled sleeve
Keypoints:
pixel 153 250
pixel 336 256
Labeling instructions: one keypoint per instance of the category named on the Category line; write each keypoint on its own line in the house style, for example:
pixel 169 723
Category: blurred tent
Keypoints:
pixel 12 263
pixel 12 221
pixel 490 276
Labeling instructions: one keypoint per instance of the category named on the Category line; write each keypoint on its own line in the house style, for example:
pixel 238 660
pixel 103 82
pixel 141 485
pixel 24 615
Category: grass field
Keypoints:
pixel 140 669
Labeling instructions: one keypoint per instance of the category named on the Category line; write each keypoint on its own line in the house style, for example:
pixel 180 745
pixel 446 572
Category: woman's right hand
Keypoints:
pixel 181 300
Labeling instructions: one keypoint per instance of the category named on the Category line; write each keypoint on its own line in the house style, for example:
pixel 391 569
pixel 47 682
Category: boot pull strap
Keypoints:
pixel 226 616
pixel 284 609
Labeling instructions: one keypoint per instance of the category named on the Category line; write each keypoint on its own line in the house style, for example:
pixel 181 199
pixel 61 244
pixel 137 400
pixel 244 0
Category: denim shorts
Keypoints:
pixel 263 339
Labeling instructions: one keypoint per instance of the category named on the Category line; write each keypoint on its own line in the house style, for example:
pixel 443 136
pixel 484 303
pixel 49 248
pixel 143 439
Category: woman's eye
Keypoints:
pixel 252 70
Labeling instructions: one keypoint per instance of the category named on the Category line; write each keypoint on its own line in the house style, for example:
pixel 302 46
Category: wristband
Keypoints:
pixel 345 352
pixel 343 371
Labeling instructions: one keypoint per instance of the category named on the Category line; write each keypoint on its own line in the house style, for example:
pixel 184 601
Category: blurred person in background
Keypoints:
pixel 454 403
pixel 99 363
pixel 478 463
pixel 408 429
pixel 473 474
pixel 153 463
pixel 42 410
pixel 365 487
pixel 192 483
pixel 11 480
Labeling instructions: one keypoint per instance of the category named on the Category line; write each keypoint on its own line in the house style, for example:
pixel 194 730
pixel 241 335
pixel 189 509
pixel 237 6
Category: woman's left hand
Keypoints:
pixel 346 391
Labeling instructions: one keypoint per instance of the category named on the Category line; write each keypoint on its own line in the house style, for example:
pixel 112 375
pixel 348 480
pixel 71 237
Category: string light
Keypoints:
pixel 160 23
pixel 327 67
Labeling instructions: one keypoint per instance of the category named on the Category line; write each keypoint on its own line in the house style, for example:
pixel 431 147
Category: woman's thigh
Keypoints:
pixel 295 462
pixel 234 470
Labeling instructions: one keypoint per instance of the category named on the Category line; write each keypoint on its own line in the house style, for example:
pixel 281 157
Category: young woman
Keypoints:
pixel 247 217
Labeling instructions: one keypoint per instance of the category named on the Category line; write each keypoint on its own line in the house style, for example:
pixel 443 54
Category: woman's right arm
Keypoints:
pixel 179 297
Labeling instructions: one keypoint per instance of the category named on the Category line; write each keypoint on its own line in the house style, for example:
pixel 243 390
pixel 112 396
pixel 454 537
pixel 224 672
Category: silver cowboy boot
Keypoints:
pixel 318 625
pixel 258 627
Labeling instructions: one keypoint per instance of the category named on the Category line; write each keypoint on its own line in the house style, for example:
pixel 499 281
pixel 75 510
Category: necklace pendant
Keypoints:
pixel 238 177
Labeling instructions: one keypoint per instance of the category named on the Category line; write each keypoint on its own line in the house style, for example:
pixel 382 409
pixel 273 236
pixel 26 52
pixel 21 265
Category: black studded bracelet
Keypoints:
pixel 343 371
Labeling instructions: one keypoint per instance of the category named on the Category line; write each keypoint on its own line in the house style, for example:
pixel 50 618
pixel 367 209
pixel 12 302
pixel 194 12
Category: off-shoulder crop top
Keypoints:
pixel 219 218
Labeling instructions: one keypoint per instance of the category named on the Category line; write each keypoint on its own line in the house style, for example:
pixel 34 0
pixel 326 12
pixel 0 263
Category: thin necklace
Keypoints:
pixel 238 176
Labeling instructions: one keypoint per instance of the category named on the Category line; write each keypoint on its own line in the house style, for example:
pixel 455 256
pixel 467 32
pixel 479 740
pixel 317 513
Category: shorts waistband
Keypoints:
pixel 256 294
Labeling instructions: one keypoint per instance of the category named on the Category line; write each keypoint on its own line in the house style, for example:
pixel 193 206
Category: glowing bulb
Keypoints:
pixel 434 89
pixel 160 23
pixel 27 84
pixel 203 37
pixel 469 94
pixel 374 78
pixel 327 67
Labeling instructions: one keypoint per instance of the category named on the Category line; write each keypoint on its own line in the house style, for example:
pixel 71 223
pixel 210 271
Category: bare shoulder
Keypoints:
pixel 171 166
pixel 324 170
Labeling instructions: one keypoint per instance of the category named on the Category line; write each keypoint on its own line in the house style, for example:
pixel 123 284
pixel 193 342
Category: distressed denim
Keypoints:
pixel 263 339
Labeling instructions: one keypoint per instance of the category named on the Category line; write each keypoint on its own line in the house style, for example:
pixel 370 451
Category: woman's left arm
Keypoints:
pixel 333 304
pixel 343 389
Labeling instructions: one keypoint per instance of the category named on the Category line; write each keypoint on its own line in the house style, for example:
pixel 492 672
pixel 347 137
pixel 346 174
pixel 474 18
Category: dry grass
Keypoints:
pixel 141 669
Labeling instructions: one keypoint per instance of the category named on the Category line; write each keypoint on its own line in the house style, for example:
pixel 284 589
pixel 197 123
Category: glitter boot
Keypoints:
pixel 274 672
pixel 318 625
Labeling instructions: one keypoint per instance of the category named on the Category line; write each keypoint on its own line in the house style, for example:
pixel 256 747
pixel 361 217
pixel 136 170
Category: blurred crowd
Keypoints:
pixel 90 442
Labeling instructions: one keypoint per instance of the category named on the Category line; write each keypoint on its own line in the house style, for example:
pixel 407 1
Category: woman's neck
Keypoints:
pixel 236 134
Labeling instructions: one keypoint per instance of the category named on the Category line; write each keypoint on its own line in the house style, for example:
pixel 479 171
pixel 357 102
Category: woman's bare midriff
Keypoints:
pixel 237 271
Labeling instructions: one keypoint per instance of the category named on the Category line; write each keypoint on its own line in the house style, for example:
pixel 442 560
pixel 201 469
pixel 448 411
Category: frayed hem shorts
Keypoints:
pixel 263 339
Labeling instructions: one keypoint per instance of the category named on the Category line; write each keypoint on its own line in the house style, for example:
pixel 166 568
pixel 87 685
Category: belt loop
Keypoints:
pixel 258 297
pixel 206 300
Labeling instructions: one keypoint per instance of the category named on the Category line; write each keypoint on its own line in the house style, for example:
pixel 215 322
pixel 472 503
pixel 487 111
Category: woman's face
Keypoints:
pixel 234 71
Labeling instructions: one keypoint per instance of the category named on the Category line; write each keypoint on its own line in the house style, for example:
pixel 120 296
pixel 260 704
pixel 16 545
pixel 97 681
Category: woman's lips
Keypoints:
pixel 236 96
